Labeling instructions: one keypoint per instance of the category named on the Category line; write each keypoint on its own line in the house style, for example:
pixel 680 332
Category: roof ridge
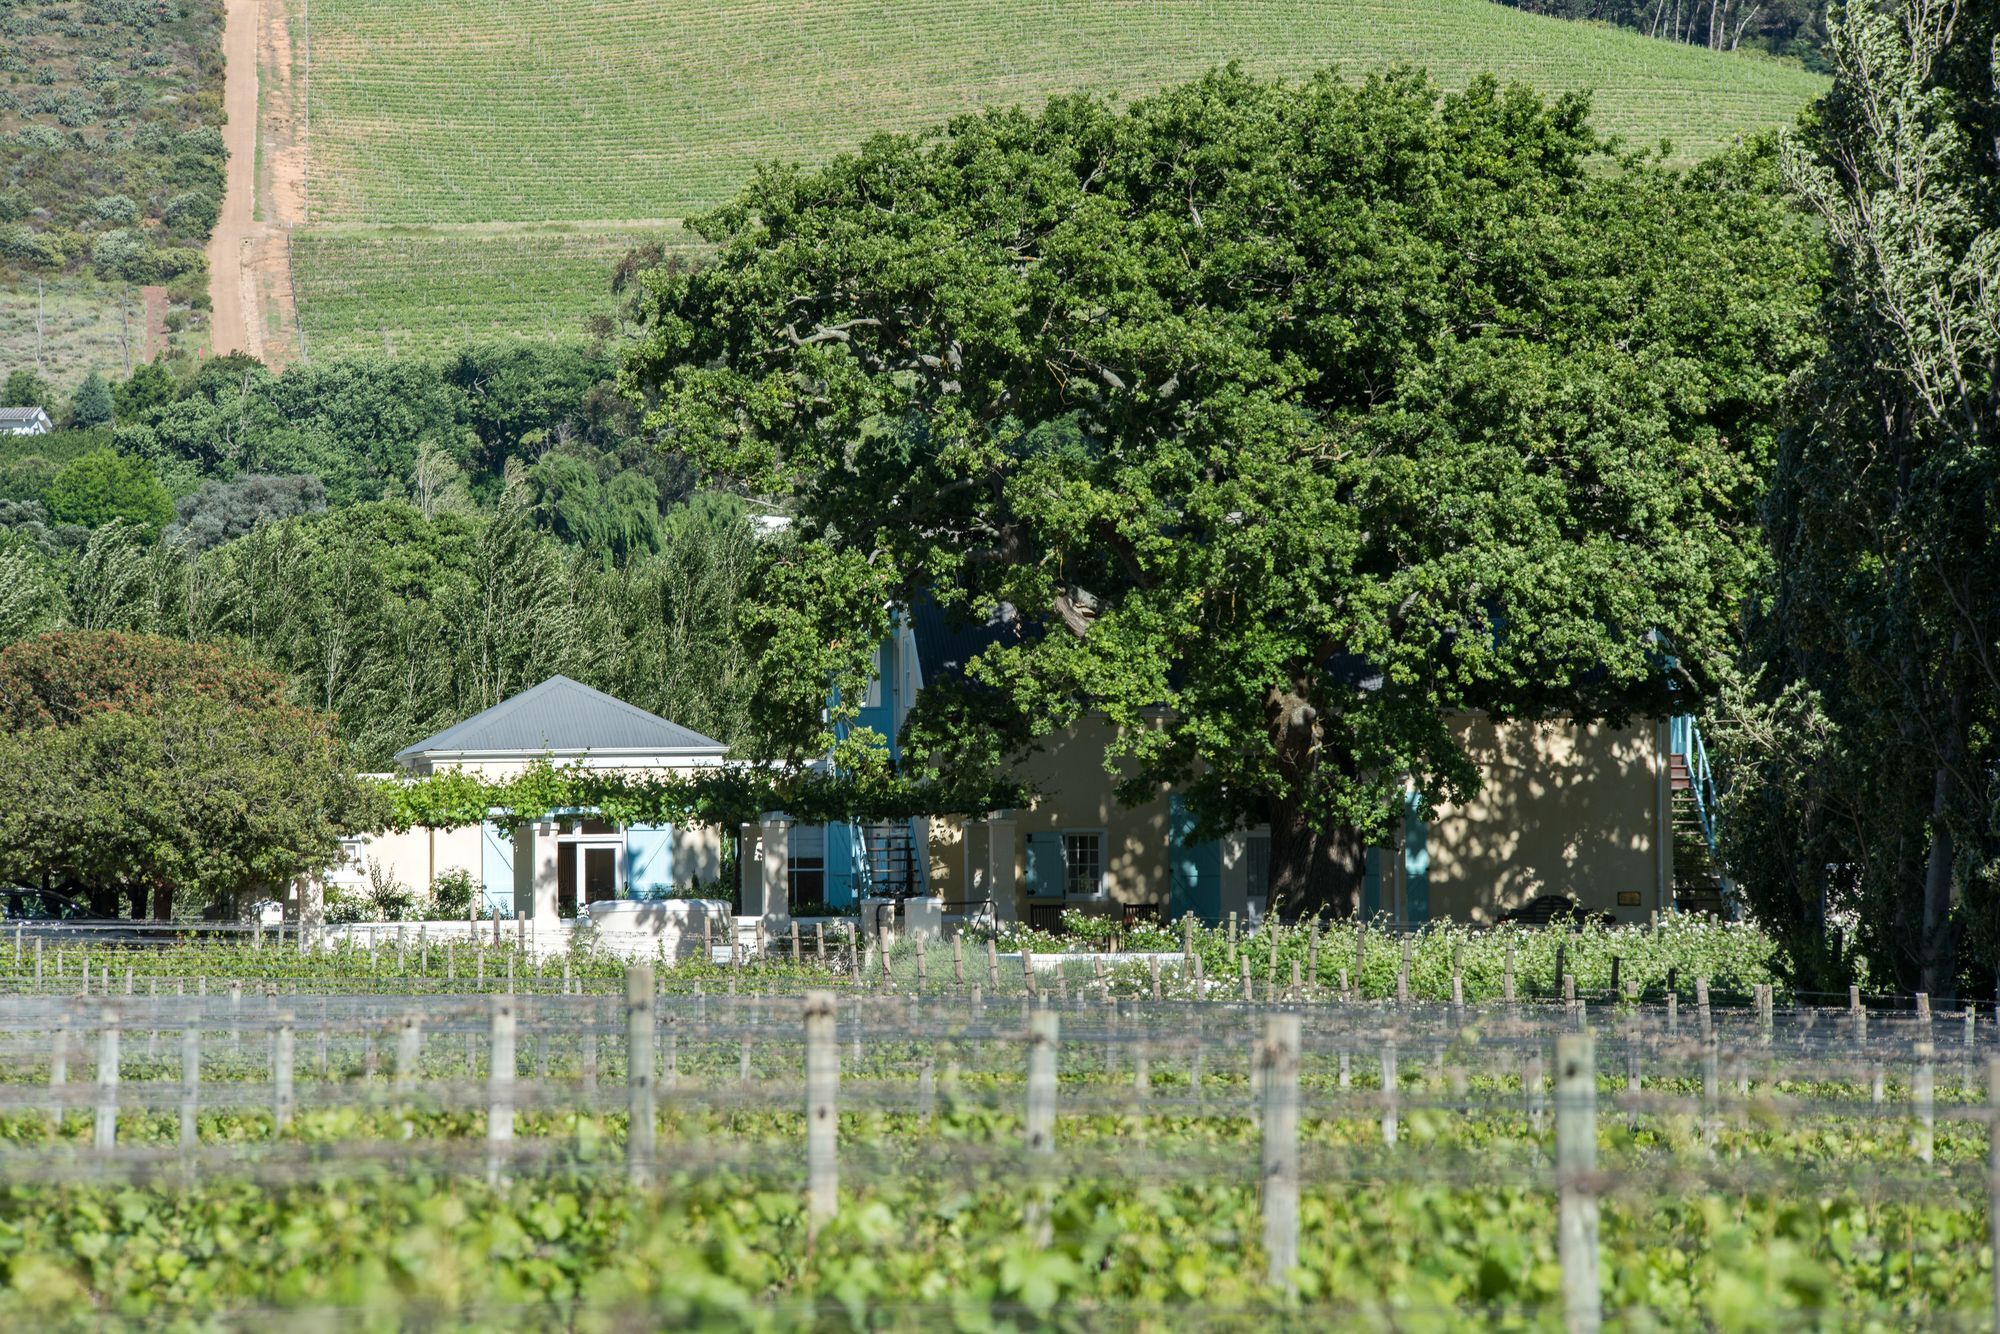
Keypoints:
pixel 577 698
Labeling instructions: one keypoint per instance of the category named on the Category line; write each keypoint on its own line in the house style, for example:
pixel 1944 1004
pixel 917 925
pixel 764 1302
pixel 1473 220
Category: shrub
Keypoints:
pixel 388 899
pixel 220 510
pixel 451 895
pixel 192 212
pixel 117 209
pixel 105 485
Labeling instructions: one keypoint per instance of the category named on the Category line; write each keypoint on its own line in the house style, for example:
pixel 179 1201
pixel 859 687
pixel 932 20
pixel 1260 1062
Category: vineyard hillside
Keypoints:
pixel 485 110
pixel 482 122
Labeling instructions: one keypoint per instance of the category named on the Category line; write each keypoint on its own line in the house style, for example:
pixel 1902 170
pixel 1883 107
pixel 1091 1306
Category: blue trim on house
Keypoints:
pixel 1416 859
pixel 496 869
pixel 1194 868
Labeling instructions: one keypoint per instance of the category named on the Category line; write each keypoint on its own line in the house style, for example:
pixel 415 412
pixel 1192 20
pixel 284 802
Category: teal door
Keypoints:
pixel 1194 869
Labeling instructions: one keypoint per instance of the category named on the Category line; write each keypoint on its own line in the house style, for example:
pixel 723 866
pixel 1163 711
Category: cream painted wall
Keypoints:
pixel 421 855
pixel 1562 810
pixel 1078 796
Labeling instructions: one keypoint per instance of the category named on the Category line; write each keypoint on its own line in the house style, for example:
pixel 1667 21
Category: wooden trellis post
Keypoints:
pixel 499 1086
pixel 58 1077
pixel 1280 1057
pixel 1389 1123
pixel 1923 1093
pixel 1576 1160
pixel 1044 1033
pixel 1993 1176
pixel 822 1113
pixel 190 1084
pixel 106 1136
pixel 409 1049
pixel 282 1098
pixel 639 1074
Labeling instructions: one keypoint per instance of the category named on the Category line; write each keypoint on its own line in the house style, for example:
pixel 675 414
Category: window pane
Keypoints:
pixel 1083 864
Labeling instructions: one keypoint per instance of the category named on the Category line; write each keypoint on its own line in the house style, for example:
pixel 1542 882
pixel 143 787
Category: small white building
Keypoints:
pixel 25 421
pixel 556 867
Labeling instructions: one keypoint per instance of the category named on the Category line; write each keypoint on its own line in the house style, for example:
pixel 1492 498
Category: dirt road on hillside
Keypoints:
pixel 249 259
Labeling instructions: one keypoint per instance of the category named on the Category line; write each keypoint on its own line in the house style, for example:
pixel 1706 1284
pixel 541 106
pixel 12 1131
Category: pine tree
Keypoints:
pixel 91 405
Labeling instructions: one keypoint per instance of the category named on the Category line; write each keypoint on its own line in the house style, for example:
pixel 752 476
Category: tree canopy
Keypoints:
pixel 103 486
pixel 91 404
pixel 156 770
pixel 1289 419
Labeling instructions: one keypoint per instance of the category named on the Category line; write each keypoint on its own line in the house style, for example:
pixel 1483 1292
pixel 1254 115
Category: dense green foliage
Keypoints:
pixel 400 625
pixel 407 541
pixel 1866 751
pixel 1462 422
pixel 728 1251
pixel 91 405
pixel 1363 961
pixel 136 768
pixel 105 485
pixel 1800 1206
pixel 25 389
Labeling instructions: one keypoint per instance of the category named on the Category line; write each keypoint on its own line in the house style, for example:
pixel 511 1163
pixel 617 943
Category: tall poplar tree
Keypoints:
pixel 1867 792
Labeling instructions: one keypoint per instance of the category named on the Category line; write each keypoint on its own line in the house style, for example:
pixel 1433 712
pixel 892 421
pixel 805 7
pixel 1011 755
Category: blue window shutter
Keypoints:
pixel 1416 858
pixel 1045 866
pixel 1194 869
pixel 649 861
pixel 496 867
pixel 841 884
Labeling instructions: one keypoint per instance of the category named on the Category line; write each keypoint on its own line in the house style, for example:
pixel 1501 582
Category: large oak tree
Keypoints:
pixel 1281 421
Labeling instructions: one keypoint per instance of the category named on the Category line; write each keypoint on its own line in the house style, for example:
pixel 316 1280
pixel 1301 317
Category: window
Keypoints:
pixel 1257 866
pixel 805 864
pixel 1083 865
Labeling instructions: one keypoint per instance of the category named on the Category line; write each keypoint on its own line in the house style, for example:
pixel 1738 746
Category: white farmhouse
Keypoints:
pixel 25 421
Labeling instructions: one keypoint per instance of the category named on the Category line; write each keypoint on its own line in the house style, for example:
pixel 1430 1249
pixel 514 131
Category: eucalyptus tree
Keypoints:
pixel 1277 423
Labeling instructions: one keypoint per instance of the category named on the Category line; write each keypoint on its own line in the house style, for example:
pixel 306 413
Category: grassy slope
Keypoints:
pixel 109 81
pixel 480 110
pixel 408 290
pixel 452 111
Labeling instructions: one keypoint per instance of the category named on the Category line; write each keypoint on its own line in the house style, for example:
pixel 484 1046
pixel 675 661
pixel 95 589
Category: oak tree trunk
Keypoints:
pixel 1313 872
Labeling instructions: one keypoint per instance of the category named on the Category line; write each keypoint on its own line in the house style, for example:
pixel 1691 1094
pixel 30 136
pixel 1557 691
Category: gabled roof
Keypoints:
pixel 22 414
pixel 563 717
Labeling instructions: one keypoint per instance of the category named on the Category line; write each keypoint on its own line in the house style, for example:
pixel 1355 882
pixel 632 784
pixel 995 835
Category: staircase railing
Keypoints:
pixel 1686 743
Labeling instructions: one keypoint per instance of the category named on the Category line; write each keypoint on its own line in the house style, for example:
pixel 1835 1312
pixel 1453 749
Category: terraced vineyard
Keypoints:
pixel 407 291
pixel 484 110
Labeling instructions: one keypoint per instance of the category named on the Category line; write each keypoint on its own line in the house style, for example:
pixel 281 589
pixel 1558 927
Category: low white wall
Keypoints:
pixel 667 929
pixel 540 937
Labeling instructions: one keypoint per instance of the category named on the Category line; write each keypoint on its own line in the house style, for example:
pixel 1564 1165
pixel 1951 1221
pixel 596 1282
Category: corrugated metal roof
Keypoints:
pixel 19 414
pixel 563 717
